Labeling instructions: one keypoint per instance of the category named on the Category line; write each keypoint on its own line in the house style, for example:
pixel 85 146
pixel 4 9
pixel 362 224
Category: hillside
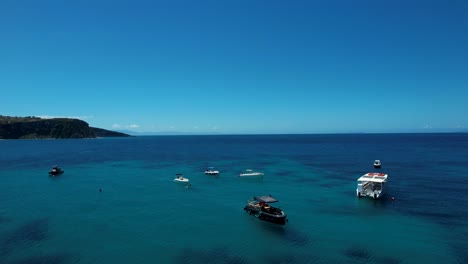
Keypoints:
pixel 38 128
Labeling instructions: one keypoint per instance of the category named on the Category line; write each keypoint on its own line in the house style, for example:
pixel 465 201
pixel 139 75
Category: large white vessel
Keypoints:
pixel 372 184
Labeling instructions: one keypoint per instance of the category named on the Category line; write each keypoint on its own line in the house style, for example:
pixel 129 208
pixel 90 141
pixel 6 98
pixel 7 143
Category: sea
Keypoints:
pixel 117 202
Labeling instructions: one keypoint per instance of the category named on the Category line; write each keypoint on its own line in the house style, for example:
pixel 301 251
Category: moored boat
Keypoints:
pixel 56 170
pixel 260 207
pixel 371 184
pixel 250 173
pixel 211 171
pixel 180 178
pixel 377 164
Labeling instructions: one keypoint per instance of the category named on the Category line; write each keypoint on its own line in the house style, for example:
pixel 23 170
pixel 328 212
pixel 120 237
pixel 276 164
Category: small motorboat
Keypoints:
pixel 180 178
pixel 260 208
pixel 377 164
pixel 250 173
pixel 55 171
pixel 211 171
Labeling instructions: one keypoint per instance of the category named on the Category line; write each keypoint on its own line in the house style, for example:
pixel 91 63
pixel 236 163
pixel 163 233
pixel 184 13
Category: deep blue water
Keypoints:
pixel 142 216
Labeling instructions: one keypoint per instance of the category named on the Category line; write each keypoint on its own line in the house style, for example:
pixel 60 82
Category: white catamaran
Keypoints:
pixel 372 184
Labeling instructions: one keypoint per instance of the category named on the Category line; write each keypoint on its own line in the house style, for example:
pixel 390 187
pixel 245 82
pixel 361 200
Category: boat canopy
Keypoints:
pixel 266 199
pixel 373 177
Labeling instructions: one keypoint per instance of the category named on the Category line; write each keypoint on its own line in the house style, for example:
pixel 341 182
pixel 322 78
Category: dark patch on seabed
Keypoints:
pixel 362 255
pixel 357 253
pixel 30 232
pixel 289 234
pixel 290 259
pixel 449 215
pixel 47 259
pixel 282 259
pixel 296 237
pixel 387 260
pixel 449 220
pixel 216 256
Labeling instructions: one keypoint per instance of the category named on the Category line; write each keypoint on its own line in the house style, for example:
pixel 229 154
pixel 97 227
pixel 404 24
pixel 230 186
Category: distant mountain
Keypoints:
pixel 37 128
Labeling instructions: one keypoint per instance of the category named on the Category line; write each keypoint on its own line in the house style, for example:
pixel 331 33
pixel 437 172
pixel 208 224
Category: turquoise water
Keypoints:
pixel 142 216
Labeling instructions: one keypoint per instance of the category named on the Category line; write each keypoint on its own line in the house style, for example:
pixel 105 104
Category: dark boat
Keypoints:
pixel 377 164
pixel 56 170
pixel 260 208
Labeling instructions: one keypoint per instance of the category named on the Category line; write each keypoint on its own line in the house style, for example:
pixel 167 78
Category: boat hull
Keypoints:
pixel 255 174
pixel 182 181
pixel 375 195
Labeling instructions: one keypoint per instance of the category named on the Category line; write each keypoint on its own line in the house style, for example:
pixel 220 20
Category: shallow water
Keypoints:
pixel 142 216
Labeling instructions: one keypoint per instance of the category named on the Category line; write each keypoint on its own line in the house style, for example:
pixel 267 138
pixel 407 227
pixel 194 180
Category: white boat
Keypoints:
pixel 250 173
pixel 211 171
pixel 372 184
pixel 377 164
pixel 180 178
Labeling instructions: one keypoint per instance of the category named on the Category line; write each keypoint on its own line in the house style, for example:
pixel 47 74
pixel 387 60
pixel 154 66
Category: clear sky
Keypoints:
pixel 238 66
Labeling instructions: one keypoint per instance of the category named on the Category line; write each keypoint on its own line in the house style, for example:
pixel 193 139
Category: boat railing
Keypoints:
pixel 366 185
pixel 265 207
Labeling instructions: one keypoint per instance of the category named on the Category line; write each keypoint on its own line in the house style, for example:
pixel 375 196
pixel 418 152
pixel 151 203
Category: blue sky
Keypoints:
pixel 235 67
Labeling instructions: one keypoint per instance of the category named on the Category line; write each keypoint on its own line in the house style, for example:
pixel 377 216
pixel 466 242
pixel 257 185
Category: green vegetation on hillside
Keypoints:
pixel 37 128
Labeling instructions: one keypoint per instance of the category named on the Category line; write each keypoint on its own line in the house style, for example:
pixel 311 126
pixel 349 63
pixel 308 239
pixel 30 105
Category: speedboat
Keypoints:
pixel 260 207
pixel 211 171
pixel 250 173
pixel 55 171
pixel 180 178
pixel 377 164
pixel 371 184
